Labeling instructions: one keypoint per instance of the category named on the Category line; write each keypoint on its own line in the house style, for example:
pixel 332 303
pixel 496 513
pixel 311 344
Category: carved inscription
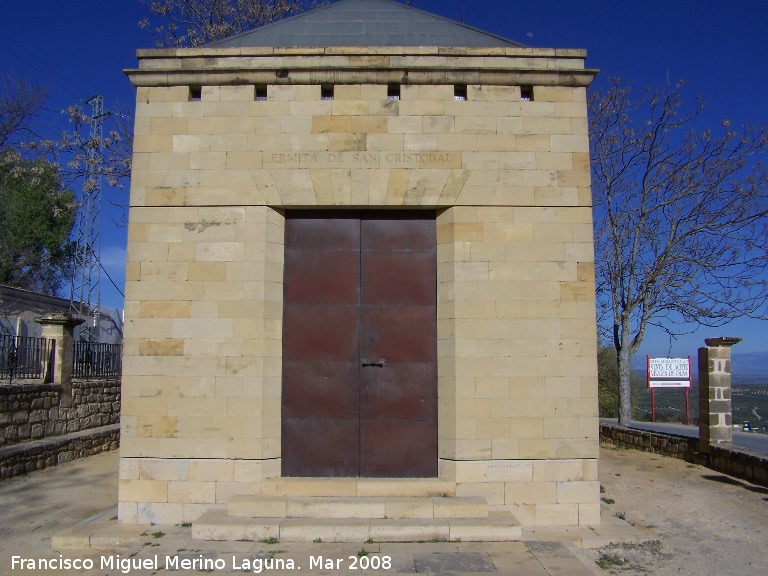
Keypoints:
pixel 507 471
pixel 361 159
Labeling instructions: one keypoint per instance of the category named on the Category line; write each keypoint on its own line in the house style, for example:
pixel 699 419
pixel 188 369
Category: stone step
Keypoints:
pixel 496 527
pixel 359 487
pixel 357 507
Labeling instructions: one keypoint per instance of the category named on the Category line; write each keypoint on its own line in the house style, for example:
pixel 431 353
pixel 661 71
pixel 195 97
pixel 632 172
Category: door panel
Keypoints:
pixel 359 287
pixel 321 319
pixel 321 333
pixel 398 334
pixel 398 449
pixel 321 448
pixel 322 277
pixel 398 278
pixel 398 426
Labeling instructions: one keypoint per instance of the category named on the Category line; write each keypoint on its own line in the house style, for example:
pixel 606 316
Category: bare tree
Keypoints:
pixel 681 216
pixel 196 22
pixel 20 104
pixel 81 158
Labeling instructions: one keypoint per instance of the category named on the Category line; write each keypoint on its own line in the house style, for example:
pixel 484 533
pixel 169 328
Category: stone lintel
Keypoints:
pixel 722 341
pixel 59 319
pixel 349 75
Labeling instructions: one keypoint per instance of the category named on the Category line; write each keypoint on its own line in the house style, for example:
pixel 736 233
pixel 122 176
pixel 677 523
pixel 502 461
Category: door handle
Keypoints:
pixel 379 363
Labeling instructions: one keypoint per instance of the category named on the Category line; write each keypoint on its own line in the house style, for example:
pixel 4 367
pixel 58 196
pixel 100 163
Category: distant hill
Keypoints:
pixel 749 368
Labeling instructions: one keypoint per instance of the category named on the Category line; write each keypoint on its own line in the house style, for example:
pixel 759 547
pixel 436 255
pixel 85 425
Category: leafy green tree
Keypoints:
pixel 36 217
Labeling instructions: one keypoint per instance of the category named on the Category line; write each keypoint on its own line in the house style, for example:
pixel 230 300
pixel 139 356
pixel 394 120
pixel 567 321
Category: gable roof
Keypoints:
pixel 365 23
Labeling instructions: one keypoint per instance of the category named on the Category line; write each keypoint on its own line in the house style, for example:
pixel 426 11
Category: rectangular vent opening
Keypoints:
pixel 460 92
pixel 526 93
pixel 393 92
pixel 326 92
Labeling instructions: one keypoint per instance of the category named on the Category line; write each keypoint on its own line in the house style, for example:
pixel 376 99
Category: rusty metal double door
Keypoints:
pixel 359 392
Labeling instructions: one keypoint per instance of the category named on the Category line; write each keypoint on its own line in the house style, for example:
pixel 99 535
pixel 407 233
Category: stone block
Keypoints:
pixel 143 490
pixel 493 492
pixel 216 525
pixel 258 507
pixel 409 530
pixel 558 471
pixel 578 492
pixel 157 427
pixel 498 528
pixel 209 470
pixel 589 514
pixel 191 492
pixel 556 514
pixel 461 507
pixel 412 507
pixel 554 94
pixel 309 529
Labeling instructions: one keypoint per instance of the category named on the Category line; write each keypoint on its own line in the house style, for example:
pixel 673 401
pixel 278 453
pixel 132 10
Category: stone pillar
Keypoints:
pixel 60 327
pixel 715 422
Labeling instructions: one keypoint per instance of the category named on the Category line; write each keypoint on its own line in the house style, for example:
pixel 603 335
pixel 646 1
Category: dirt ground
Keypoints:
pixel 708 524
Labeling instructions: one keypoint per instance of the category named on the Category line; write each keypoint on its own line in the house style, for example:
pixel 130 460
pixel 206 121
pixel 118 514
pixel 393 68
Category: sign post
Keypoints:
pixel 669 373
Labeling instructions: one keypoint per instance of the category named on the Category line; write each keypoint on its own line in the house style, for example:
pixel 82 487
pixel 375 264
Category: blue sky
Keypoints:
pixel 80 48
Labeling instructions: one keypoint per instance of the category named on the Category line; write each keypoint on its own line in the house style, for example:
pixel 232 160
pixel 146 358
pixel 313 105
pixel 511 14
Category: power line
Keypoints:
pixel 10 44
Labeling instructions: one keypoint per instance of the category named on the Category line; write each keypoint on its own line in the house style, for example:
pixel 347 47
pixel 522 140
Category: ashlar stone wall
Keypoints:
pixel 212 179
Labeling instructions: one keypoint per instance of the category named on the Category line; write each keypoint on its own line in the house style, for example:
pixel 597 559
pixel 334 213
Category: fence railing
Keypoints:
pixel 93 360
pixel 25 358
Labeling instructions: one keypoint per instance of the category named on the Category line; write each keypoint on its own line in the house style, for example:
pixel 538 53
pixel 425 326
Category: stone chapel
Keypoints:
pixel 360 284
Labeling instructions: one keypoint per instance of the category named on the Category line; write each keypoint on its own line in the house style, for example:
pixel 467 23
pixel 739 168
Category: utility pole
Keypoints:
pixel 85 297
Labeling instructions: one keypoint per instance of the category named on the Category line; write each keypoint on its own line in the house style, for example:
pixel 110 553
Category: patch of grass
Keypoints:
pixel 158 534
pixel 369 541
pixel 607 561
pixel 620 515
pixel 608 500
pixel 457 540
pixel 270 540
pixel 185 524
pixel 318 540
pixel 602 489
pixel 362 553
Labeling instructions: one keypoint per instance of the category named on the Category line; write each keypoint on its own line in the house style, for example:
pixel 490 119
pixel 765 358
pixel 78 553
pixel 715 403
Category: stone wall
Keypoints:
pixel 731 460
pixel 215 170
pixel 30 456
pixel 35 411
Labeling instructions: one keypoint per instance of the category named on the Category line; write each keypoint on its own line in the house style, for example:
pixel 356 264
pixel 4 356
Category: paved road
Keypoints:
pixel 750 441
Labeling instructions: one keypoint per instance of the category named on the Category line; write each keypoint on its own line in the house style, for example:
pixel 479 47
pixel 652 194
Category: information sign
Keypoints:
pixel 669 373
pixel 673 370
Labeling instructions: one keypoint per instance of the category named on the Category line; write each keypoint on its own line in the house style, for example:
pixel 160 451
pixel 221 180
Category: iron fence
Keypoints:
pixel 25 358
pixel 93 360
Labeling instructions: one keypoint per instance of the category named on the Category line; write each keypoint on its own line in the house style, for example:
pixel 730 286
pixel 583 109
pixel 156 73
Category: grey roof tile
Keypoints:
pixel 365 23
